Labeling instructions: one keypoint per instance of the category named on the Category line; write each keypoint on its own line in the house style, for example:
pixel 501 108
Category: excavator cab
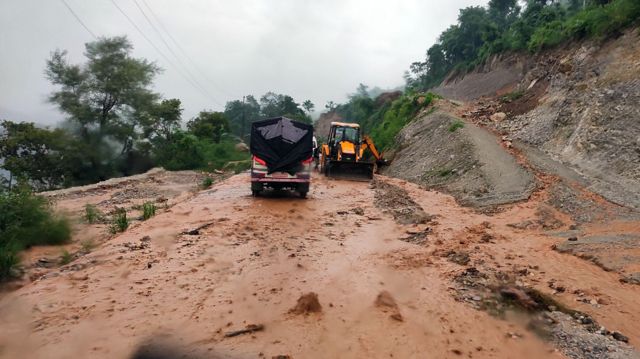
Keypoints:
pixel 343 155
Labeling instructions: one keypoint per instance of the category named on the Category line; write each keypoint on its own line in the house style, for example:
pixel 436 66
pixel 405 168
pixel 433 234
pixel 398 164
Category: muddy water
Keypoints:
pixel 256 256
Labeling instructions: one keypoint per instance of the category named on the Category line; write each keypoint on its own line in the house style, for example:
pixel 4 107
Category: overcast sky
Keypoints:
pixel 317 50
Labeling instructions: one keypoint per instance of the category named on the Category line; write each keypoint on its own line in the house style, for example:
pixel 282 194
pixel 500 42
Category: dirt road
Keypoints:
pixel 222 260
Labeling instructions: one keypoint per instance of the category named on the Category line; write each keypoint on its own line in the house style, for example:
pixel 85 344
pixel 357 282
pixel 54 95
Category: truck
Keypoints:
pixel 282 155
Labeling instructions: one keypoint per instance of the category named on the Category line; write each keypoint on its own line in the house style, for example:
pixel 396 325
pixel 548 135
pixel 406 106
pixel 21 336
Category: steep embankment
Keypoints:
pixel 579 104
pixel 466 161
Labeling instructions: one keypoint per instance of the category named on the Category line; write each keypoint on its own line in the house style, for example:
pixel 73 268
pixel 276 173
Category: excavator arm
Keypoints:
pixel 368 143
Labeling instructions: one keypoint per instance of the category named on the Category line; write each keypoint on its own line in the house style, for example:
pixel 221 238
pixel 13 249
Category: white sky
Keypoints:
pixel 317 50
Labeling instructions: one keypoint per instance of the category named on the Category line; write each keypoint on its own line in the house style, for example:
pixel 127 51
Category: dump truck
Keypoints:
pixel 344 155
pixel 282 155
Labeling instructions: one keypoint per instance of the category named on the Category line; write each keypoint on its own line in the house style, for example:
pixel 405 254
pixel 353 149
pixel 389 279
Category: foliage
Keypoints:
pixel 209 125
pixel 241 114
pixel 456 125
pixel 505 26
pixel 396 116
pixel 104 99
pixel 207 182
pixel 119 222
pixel 512 96
pixel 45 158
pixel 66 257
pixel 148 210
pixel 92 214
pixel 26 220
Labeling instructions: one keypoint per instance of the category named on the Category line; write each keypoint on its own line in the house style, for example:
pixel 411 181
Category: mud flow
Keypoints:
pixel 356 270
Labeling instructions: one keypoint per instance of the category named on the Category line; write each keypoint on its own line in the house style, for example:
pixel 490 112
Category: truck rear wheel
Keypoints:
pixel 303 189
pixel 256 188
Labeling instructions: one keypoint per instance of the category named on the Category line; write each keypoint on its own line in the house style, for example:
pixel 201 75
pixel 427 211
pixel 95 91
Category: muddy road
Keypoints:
pixel 397 272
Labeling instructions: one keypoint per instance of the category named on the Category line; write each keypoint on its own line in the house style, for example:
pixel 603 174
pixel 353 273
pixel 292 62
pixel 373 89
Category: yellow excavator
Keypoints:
pixel 344 153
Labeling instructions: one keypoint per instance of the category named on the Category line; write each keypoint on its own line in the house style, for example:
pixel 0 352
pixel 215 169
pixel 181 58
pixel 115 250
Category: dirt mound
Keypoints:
pixel 396 201
pixel 307 303
pixel 388 304
pixel 441 151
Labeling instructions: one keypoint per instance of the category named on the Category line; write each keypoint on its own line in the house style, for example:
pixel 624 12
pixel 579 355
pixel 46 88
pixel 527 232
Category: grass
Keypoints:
pixel 206 182
pixel 92 214
pixel 66 257
pixel 27 220
pixel 119 222
pixel 512 96
pixel 148 210
pixel 87 245
pixel 456 125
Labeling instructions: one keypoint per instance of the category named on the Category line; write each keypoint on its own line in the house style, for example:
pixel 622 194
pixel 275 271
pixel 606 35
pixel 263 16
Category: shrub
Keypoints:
pixel 92 214
pixel 207 182
pixel 396 116
pixel 148 210
pixel 66 257
pixel 119 222
pixel 27 220
pixel 455 125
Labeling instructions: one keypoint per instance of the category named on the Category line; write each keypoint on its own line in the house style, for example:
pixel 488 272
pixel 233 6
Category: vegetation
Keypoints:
pixel 506 26
pixel 26 220
pixel 92 214
pixel 119 222
pixel 383 117
pixel 66 257
pixel 455 125
pixel 116 125
pixel 207 182
pixel 148 210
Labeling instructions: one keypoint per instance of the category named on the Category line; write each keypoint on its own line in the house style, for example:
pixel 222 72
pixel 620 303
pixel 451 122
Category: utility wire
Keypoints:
pixel 185 68
pixel 181 49
pixel 195 86
pixel 78 18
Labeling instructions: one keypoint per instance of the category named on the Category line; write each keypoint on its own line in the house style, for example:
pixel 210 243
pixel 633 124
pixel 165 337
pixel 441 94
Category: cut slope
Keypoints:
pixel 467 162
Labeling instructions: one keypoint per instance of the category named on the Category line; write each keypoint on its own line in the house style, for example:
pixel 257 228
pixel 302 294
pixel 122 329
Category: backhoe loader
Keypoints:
pixel 343 155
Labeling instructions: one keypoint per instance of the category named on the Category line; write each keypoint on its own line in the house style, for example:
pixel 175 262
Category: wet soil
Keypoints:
pixel 252 258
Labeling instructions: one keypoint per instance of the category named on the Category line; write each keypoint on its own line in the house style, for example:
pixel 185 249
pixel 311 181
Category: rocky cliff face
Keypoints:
pixel 579 104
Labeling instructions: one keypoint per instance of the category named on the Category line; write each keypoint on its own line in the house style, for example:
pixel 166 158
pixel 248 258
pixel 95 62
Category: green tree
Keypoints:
pixel 241 114
pixel 209 125
pixel 46 159
pixel 162 120
pixel 103 98
pixel 308 106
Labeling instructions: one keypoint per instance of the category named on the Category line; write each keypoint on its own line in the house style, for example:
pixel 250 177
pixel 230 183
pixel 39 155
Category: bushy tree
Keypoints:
pixel 103 98
pixel 209 125
pixel 46 159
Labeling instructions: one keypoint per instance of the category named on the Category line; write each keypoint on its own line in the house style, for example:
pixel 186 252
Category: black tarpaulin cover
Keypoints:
pixel 282 143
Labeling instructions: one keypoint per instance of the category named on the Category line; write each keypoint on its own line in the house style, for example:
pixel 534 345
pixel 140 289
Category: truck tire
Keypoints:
pixel 303 189
pixel 256 188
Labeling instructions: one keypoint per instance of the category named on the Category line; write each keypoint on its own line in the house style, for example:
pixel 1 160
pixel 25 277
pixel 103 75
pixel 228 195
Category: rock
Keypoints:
pixel 572 239
pixel 565 66
pixel 620 337
pixel 307 303
pixel 385 299
pixel 498 117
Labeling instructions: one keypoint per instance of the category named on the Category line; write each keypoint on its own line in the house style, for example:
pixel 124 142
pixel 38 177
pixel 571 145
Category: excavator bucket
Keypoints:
pixel 353 171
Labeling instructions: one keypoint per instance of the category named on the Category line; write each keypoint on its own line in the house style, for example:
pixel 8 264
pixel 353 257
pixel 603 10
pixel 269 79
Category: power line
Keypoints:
pixel 203 93
pixel 79 20
pixel 181 49
pixel 185 68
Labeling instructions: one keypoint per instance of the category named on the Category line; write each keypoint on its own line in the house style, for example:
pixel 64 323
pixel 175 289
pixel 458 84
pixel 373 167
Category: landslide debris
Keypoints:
pixel 397 202
pixel 576 334
pixel 463 160
pixel 307 303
